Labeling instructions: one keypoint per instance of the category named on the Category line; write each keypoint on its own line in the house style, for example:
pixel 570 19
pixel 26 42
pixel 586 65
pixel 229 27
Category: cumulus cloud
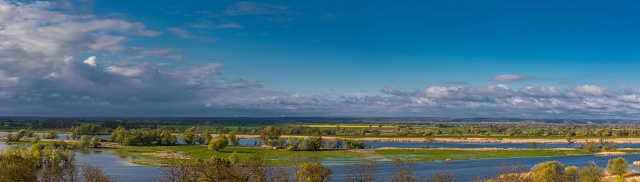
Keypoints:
pixel 91 61
pixel 590 90
pixel 45 70
pixel 511 78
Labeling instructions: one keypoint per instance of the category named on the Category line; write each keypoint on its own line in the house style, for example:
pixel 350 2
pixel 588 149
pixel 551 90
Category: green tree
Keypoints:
pixel 271 136
pixel 549 171
pixel 190 137
pixel 335 143
pixel 354 144
pixel 313 143
pixel 313 172
pixel 214 169
pixel 218 144
pixel 234 158
pixel 231 137
pixel 571 174
pixel 35 139
pixel 15 168
pixel 617 166
pixel 590 146
pixel 95 142
pixel 84 142
pixel 207 136
pixel 590 173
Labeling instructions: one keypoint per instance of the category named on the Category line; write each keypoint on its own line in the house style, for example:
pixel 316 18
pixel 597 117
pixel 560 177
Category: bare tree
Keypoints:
pixel 362 171
pixel 94 174
pixel 443 176
pixel 512 172
pixel 179 172
pixel 404 171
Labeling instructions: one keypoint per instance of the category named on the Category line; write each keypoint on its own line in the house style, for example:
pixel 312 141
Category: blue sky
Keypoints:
pixel 320 58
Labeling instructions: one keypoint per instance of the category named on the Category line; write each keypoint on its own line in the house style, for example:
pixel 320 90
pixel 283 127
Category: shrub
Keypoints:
pixel 314 171
pixel 617 166
pixel 590 173
pixel 571 173
pixel 549 171
pixel 218 144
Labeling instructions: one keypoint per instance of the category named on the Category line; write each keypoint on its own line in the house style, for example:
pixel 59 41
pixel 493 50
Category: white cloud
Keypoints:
pixel 129 72
pixel 591 90
pixel 91 61
pixel 511 78
pixel 40 76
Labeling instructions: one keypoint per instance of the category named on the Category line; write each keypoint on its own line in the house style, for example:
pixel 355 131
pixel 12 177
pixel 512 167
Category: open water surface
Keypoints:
pixel 121 168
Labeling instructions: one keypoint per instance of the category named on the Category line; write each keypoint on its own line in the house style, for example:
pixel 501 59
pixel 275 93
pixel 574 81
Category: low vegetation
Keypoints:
pixel 204 157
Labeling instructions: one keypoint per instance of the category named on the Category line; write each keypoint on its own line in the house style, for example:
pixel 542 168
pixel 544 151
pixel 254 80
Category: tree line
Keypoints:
pixel 50 162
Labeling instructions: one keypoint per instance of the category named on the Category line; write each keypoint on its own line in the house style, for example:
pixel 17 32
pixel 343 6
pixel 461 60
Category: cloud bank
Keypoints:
pixel 58 64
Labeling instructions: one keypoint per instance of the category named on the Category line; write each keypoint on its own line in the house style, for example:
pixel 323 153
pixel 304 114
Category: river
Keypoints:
pixel 122 168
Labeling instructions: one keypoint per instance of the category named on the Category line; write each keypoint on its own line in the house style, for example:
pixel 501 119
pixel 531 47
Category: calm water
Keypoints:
pixel 483 168
pixel 122 169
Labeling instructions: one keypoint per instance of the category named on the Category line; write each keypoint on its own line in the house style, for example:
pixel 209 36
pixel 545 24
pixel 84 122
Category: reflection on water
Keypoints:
pixel 121 168
pixel 468 170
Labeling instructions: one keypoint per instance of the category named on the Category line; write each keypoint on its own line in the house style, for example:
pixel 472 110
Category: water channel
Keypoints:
pixel 121 168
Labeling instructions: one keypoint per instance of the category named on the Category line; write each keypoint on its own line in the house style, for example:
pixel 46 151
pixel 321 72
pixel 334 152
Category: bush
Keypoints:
pixel 590 173
pixel 354 144
pixel 271 136
pixel 15 168
pixel 617 166
pixel 84 142
pixel 571 173
pixel 314 171
pixel 549 171
pixel 218 144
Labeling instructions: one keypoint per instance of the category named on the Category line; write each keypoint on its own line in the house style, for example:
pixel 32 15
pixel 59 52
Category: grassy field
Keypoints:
pixel 276 157
pixel 280 157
